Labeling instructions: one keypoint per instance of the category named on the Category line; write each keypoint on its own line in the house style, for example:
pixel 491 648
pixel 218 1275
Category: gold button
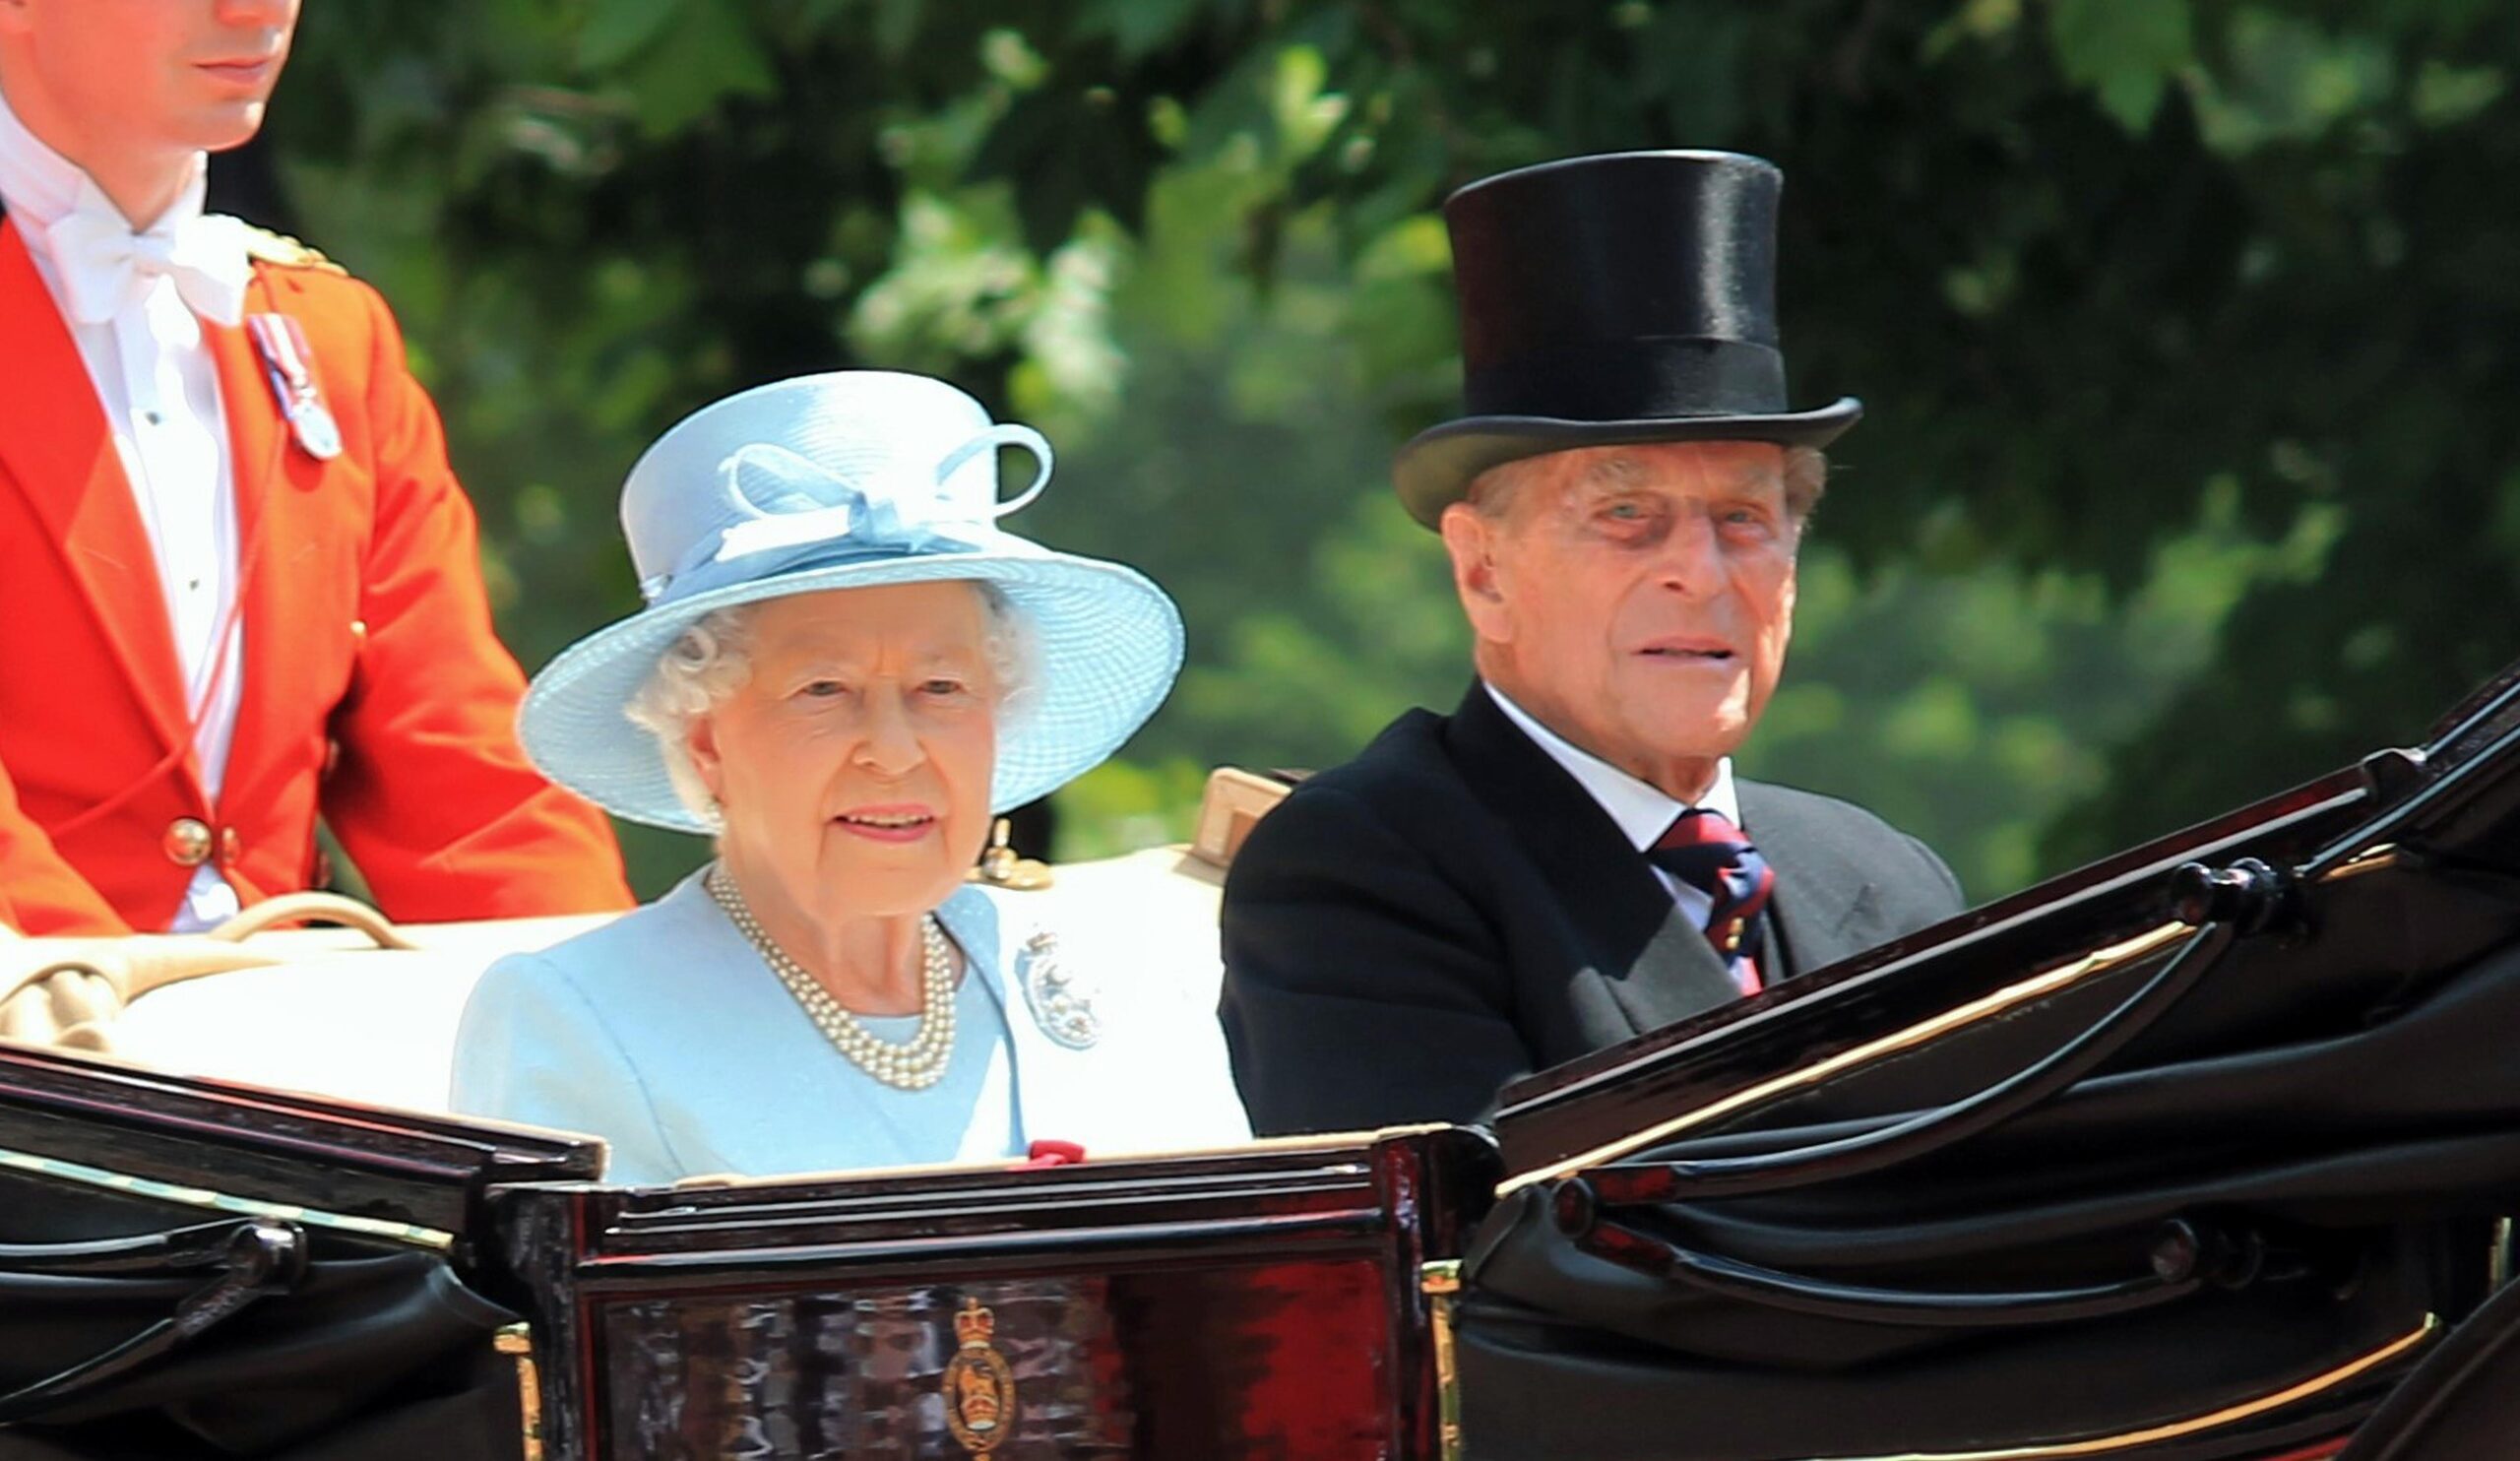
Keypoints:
pixel 188 842
pixel 230 847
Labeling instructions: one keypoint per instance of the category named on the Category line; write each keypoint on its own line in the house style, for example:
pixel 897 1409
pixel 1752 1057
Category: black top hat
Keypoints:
pixel 1624 297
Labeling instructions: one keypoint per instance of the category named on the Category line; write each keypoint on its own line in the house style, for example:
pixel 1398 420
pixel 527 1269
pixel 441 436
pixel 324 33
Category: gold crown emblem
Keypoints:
pixel 981 1405
pixel 973 1325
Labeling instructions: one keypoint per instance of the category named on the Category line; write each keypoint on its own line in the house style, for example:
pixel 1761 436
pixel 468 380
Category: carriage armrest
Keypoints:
pixel 1235 802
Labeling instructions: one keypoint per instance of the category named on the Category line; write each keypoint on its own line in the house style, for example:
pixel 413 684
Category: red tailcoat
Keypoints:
pixel 374 692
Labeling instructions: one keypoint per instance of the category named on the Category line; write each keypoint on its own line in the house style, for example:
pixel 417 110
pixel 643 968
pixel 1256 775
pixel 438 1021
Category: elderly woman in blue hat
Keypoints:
pixel 845 669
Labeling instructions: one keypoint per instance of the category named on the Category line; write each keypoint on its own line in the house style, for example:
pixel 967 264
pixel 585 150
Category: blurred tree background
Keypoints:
pixel 2187 330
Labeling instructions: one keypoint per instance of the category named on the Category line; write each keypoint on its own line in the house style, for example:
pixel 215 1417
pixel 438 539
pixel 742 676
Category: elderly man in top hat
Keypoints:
pixel 1568 858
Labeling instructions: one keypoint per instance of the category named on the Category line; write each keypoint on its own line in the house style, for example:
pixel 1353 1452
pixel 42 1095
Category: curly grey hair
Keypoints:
pixel 710 660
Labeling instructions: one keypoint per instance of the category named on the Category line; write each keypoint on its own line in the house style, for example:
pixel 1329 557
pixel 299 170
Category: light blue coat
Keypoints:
pixel 665 1034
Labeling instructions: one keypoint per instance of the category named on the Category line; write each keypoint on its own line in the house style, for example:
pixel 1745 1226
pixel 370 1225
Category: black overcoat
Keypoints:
pixel 1450 911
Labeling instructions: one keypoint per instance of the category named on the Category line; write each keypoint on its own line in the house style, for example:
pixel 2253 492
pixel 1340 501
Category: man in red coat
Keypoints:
pixel 239 584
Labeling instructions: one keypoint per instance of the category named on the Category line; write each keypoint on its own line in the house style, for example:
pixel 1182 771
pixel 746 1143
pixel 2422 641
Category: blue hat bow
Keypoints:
pixel 785 509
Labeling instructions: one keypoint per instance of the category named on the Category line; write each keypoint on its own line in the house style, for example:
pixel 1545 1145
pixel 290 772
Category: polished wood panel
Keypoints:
pixel 1262 1301
pixel 1217 1360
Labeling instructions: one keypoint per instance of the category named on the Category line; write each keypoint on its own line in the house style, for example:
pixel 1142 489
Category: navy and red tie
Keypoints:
pixel 1704 850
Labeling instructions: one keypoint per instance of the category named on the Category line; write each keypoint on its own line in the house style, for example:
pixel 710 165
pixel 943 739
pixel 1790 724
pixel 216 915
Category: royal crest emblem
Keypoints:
pixel 1062 1004
pixel 980 1386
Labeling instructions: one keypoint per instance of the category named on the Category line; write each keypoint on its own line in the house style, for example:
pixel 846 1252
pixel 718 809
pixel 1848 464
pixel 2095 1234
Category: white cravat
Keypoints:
pixel 106 268
pixel 129 300
pixel 1641 809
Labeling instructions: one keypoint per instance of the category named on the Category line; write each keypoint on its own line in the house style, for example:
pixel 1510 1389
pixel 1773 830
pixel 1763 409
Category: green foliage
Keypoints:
pixel 2126 50
pixel 2184 326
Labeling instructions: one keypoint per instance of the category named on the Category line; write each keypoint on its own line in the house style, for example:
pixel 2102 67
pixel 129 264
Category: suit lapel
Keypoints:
pixel 1654 963
pixel 55 442
pixel 267 533
pixel 255 440
pixel 1826 906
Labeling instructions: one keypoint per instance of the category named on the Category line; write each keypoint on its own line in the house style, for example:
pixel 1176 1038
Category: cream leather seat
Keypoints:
pixel 366 1023
pixel 368 1011
pixel 340 1012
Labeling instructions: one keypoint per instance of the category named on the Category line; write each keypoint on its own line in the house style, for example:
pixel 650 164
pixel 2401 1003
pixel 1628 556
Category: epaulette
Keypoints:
pixel 288 252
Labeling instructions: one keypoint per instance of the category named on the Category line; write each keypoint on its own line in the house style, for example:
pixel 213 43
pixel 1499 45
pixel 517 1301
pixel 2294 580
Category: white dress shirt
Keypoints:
pixel 1642 810
pixel 159 385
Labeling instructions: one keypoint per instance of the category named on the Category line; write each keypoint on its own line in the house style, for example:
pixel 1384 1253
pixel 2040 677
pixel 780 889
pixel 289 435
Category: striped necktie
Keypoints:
pixel 1704 850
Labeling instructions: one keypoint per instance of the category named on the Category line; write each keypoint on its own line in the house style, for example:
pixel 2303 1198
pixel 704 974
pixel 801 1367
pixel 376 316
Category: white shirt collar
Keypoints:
pixel 40 187
pixel 1642 810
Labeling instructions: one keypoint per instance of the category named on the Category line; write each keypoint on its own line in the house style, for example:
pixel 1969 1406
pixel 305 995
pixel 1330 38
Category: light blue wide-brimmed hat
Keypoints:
pixel 844 481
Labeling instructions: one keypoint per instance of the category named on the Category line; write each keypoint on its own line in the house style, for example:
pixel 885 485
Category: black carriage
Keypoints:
pixel 2204 1152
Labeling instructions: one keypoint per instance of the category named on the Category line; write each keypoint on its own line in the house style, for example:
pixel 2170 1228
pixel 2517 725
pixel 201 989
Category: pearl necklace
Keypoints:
pixel 913 1066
